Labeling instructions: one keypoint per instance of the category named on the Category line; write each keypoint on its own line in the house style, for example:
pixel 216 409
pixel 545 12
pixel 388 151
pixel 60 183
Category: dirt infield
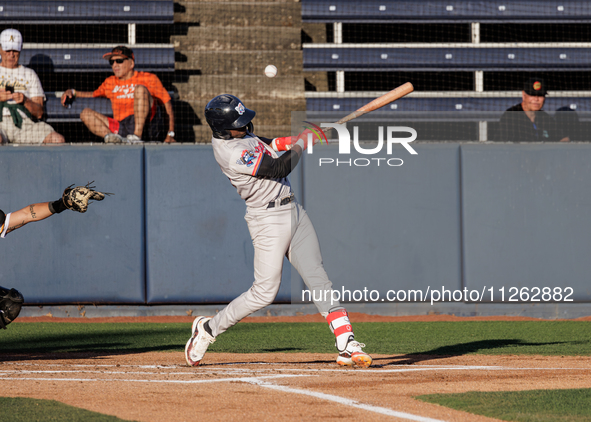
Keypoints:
pixel 278 386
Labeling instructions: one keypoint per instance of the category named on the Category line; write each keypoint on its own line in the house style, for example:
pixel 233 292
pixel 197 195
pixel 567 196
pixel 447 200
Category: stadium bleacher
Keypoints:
pixel 467 57
pixel 157 58
pixel 83 11
pixel 348 58
pixel 58 113
pixel 443 11
pixel 468 108
pixel 367 49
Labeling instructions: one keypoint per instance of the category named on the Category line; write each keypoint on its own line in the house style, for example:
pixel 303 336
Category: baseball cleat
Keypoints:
pixel 198 343
pixel 354 355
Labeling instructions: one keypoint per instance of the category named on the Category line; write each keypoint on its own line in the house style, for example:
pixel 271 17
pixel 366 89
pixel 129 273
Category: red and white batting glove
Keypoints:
pixel 286 143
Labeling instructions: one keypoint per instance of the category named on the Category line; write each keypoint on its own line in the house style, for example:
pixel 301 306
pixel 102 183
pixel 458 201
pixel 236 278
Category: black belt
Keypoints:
pixel 284 201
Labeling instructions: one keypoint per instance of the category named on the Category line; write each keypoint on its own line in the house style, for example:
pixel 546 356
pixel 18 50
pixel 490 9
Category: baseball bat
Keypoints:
pixel 385 99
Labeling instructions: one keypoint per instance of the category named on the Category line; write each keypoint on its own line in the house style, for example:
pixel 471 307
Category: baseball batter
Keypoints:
pixel 278 226
pixel 76 199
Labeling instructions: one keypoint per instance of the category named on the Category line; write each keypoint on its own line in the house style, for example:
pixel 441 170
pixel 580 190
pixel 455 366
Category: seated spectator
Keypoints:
pixel 137 116
pixel 21 97
pixel 569 124
pixel 526 122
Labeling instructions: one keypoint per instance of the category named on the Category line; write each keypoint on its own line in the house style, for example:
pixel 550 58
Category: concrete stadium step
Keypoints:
pixel 201 87
pixel 288 63
pixel 238 39
pixel 253 14
pixel 229 43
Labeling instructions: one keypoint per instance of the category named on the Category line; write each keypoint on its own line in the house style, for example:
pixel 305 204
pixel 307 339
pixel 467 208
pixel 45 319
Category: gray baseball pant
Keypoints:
pixel 277 232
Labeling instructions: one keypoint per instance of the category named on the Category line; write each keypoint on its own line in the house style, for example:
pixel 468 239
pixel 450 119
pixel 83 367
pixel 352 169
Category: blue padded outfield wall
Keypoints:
pixel 97 256
pixel 455 215
pixel 386 227
pixel 526 216
pixel 198 246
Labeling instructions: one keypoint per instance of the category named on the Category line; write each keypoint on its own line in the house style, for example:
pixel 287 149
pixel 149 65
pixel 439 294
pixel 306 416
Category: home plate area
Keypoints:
pixel 279 386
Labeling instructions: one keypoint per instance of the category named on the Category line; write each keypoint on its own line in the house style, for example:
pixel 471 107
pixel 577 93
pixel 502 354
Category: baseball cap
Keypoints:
pixel 120 50
pixel 11 39
pixel 535 86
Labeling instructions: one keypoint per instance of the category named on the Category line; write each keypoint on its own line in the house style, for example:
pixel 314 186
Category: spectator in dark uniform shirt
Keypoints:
pixel 526 122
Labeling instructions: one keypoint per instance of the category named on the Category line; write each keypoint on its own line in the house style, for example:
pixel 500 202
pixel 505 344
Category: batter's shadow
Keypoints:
pixel 459 349
pixel 98 355
pixel 103 343
pixel 81 352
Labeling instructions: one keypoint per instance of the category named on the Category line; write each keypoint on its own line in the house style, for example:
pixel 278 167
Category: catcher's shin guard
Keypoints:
pixel 11 301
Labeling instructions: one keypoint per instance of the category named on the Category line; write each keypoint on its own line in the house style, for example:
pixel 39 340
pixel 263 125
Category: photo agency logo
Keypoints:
pixel 388 135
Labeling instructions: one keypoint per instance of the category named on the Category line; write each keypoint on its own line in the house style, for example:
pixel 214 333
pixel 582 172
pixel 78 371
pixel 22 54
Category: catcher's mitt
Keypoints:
pixel 77 199
pixel 11 302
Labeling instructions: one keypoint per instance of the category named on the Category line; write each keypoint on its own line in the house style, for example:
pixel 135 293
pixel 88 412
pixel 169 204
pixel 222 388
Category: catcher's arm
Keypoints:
pixel 33 212
pixel 75 199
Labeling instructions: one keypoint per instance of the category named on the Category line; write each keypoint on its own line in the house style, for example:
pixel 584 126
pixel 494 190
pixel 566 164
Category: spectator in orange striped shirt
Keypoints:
pixel 135 99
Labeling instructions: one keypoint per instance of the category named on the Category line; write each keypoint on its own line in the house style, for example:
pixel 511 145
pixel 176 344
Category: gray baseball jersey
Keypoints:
pixel 240 160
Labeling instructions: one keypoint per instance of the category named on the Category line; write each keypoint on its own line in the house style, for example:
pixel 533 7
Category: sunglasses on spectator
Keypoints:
pixel 113 61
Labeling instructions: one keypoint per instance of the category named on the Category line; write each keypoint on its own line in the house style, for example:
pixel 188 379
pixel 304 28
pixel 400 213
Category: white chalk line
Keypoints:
pixel 345 401
pixel 242 379
pixel 25 371
pixel 258 381
pixel 92 365
pixel 212 369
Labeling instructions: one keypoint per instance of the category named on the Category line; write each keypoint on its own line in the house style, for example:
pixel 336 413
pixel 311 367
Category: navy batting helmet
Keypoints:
pixel 227 112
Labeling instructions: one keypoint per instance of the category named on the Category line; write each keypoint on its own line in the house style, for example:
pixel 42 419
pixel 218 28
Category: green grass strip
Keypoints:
pixel 20 409
pixel 523 406
pixel 550 338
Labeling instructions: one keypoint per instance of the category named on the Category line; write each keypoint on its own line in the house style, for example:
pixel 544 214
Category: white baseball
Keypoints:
pixel 270 71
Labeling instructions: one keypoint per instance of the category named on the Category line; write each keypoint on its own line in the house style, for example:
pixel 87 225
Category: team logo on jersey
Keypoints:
pixel 240 109
pixel 246 158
